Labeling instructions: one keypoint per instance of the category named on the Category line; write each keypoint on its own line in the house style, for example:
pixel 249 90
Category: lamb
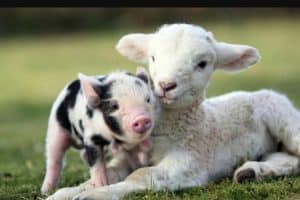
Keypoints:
pixel 90 113
pixel 198 140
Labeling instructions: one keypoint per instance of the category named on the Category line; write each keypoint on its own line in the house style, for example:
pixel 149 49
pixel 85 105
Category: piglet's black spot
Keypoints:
pixel 113 124
pixel 104 91
pixel 103 78
pixel 81 125
pixel 73 90
pixel 89 112
pixel 68 102
pixel 137 82
pixel 143 77
pixel 77 135
pixel 92 155
pixel 119 141
pixel 62 116
pixel 99 140
pixel 108 107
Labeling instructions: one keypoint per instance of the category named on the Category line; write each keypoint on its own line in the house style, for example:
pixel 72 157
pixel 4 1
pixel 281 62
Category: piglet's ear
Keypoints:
pixel 135 47
pixel 232 57
pixel 142 73
pixel 88 84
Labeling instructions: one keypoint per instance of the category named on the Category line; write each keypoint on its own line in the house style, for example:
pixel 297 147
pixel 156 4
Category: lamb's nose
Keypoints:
pixel 167 86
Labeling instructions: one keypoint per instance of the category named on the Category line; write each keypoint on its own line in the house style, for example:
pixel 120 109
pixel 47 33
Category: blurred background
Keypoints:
pixel 41 49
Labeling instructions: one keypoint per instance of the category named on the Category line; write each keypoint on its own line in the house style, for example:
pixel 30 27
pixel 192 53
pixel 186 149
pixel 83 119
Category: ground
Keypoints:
pixel 34 68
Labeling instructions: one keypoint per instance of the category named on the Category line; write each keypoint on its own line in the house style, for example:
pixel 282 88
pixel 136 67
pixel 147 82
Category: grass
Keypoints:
pixel 34 69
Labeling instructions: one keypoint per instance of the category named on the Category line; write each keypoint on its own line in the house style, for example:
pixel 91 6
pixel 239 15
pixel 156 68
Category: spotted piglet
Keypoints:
pixel 118 111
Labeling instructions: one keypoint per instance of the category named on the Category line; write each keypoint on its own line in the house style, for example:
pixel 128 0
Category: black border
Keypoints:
pixel 143 3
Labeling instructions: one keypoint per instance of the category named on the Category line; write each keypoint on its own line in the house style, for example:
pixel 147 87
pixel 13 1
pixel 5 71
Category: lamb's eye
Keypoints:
pixel 148 99
pixel 201 65
pixel 153 59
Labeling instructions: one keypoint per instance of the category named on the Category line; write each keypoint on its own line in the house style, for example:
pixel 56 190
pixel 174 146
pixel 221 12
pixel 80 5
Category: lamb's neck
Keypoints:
pixel 181 119
pixel 184 112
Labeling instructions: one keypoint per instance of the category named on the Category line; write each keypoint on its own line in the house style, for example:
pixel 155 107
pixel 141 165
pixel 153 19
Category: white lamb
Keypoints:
pixel 198 140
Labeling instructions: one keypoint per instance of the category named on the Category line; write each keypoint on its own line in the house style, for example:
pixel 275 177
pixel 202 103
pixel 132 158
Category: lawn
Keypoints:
pixel 33 70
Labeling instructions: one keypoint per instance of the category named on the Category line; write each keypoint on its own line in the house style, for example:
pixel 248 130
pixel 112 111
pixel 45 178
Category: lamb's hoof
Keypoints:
pixel 245 175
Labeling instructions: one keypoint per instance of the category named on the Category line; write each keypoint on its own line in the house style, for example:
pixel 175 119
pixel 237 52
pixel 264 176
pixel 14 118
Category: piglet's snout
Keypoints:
pixel 141 124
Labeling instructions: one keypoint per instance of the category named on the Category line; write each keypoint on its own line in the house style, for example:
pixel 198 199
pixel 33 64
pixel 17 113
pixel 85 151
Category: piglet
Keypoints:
pixel 118 110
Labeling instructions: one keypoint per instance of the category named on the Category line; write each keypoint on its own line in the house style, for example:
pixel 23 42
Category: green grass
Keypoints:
pixel 34 69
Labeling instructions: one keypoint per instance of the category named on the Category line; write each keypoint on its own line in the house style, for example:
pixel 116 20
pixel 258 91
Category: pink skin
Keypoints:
pixel 142 153
pixel 137 157
pixel 133 159
pixel 58 141
pixel 145 145
pixel 138 121
pixel 98 175
pixel 141 124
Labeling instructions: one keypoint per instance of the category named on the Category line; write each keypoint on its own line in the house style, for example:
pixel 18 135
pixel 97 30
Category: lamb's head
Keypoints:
pixel 181 59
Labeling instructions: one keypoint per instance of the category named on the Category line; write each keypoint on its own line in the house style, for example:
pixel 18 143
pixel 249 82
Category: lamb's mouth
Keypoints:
pixel 169 100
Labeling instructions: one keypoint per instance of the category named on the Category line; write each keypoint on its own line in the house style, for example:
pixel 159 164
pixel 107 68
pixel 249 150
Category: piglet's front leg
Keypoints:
pixel 98 175
pixel 144 148
pixel 138 156
pixel 95 160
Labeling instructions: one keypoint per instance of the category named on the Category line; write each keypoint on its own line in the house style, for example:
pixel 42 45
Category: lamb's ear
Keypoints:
pixel 142 73
pixel 88 88
pixel 135 47
pixel 232 57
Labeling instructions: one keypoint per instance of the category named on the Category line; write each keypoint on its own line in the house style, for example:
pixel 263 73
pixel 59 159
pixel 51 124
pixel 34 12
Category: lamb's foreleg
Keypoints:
pixel 275 164
pixel 175 171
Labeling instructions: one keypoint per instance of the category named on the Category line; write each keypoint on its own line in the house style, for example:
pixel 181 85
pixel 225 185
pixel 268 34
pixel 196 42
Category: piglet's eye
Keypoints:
pixel 114 105
pixel 153 59
pixel 201 65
